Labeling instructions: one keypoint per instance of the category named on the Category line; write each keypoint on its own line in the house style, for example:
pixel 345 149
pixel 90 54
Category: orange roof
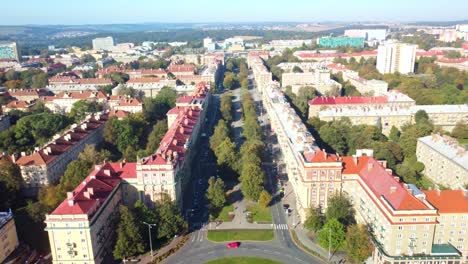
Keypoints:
pixel 181 68
pixel 448 201
pixel 320 156
pixel 19 104
pixel 145 80
pixel 118 113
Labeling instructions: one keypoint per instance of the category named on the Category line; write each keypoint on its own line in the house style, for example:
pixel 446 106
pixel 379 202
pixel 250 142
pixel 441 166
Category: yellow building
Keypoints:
pixel 445 160
pixel 8 237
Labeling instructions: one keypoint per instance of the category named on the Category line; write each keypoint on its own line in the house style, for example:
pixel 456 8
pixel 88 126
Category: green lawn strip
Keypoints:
pixel 224 214
pixel 299 244
pixel 243 260
pixel 240 234
pixel 260 214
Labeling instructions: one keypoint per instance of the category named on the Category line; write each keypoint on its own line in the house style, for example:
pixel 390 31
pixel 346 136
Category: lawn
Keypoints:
pixel 224 214
pixel 240 234
pixel 463 141
pixel 260 214
pixel 243 260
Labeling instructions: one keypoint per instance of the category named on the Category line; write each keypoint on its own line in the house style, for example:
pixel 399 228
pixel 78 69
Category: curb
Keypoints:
pixel 304 248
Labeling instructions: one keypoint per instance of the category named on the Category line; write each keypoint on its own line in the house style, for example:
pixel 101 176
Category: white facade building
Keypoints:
pixel 106 43
pixel 396 57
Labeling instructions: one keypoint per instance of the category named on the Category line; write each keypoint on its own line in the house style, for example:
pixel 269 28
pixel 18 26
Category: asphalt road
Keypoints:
pixel 198 249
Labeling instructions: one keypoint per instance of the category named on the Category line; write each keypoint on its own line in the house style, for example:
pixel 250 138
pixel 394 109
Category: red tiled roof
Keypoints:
pixel 448 201
pixel 27 92
pixel 382 183
pixel 181 68
pixel 184 99
pixel 145 80
pixel 18 105
pixel 118 113
pixel 56 148
pixel 447 60
pixel 349 100
pixel 320 156
pixel 79 95
pixel 335 55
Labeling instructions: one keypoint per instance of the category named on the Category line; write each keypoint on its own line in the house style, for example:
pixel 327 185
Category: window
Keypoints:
pixel 425 235
pixel 400 227
pixel 413 228
pixel 413 235
pixel 414 219
pixel 401 219
pixel 424 243
pixel 400 235
pixel 428 219
pixel 82 240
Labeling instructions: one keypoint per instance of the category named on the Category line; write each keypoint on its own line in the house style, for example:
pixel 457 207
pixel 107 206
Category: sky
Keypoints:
pixel 78 12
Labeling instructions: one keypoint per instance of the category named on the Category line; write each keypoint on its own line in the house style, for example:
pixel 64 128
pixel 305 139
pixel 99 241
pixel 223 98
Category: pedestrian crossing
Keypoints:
pixel 280 226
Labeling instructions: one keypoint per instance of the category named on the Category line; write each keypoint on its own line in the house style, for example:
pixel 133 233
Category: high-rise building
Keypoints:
pixel 9 50
pixel 396 57
pixel 103 43
pixel 368 34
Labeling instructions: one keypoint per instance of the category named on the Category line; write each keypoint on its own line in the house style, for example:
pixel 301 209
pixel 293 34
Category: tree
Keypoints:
pixel 170 220
pixel 332 235
pixel 358 243
pixel 130 154
pixel 216 193
pixel 265 198
pixel 11 182
pixel 226 154
pixel 91 156
pixel 221 132
pixel 229 80
pixel 81 108
pixel 252 179
pixel 315 219
pixel 226 107
pixel 39 80
pixel 75 173
pixel 460 131
pixel 155 137
pixel 394 134
pixel 421 116
pixel 339 207
pixel 335 134
pixel 297 69
pixel 129 240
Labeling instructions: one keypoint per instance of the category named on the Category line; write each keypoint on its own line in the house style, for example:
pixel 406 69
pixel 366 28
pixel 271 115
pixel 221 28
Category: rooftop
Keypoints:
pixel 448 201
pixel 448 147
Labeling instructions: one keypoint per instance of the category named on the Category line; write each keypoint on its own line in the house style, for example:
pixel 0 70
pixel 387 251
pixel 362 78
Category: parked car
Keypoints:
pixel 233 245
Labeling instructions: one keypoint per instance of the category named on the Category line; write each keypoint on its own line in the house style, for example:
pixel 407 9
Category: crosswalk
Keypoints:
pixel 280 226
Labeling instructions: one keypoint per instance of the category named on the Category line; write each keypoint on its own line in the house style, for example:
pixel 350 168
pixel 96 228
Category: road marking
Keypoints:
pixel 281 226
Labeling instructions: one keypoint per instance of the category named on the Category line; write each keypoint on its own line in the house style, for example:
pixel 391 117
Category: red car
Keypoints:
pixel 233 245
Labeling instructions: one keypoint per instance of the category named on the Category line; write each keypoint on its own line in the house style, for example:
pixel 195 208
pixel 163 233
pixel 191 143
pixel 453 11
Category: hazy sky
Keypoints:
pixel 137 11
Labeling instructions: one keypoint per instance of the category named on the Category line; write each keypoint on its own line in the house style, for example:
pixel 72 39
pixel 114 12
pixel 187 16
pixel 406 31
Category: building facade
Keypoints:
pixel 335 42
pixel 106 43
pixel 445 160
pixel 403 219
pixel 396 57
pixel 9 50
pixel 47 164
pixel 9 239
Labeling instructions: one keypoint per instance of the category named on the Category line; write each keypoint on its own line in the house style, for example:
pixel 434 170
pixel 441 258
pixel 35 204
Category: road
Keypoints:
pixel 198 249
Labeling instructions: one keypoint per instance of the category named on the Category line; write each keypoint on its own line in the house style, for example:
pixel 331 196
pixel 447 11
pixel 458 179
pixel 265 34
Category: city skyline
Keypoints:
pixel 49 12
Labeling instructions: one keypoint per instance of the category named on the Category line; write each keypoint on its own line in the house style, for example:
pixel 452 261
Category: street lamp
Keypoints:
pixel 151 242
pixel 329 241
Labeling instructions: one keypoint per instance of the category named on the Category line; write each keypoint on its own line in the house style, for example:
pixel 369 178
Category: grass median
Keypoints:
pixel 224 214
pixel 240 234
pixel 243 260
pixel 260 214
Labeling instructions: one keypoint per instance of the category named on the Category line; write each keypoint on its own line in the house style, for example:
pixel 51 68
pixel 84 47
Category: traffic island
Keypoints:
pixel 240 235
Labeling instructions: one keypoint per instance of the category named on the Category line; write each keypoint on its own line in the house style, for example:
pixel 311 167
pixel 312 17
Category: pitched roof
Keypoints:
pixel 181 68
pixel 448 201
pixel 383 184
pixel 349 100
pixel 320 156
pixel 145 80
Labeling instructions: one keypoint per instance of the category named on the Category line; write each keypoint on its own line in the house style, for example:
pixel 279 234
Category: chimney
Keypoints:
pixel 71 202
pixel 174 142
pixel 91 190
pixel 107 172
pixel 87 195
pixel 70 195
pixel 393 189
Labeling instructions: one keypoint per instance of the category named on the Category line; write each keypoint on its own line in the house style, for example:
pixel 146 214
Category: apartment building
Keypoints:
pixel 124 103
pixel 9 50
pixel 47 164
pixel 364 86
pixel 312 55
pixel 27 94
pixel 23 106
pixel 133 74
pixel 106 43
pixel 81 229
pixel 63 102
pixel 181 69
pixel 396 57
pixel 394 109
pixel 9 239
pixel 445 160
pixel 403 220
pixel 367 34
pixel 69 83
pixel 150 86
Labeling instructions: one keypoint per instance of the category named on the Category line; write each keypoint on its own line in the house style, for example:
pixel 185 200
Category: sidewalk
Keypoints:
pixel 146 258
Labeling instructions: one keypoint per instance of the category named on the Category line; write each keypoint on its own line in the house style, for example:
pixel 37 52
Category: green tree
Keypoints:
pixel 315 219
pixel 297 69
pixel 421 116
pixel 129 241
pixel 156 135
pixel 229 81
pixel 216 193
pixel 358 243
pixel 252 179
pixel 226 107
pixel 221 132
pixel 460 131
pixel 335 134
pixel 339 207
pixel 171 221
pixel 39 80
pixel 130 154
pixel 394 134
pixel 264 199
pixel 332 235
pixel 81 108
pixel 92 156
pixel 226 154
pixel 11 182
